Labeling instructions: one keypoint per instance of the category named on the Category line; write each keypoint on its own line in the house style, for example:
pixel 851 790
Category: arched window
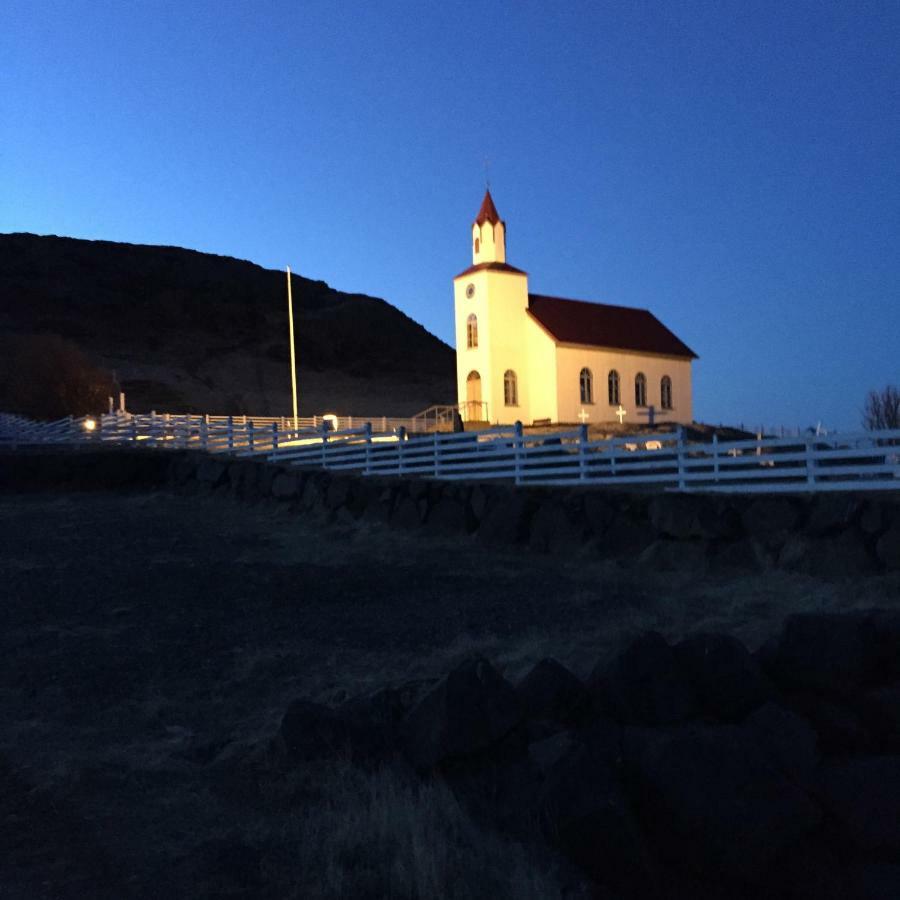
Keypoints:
pixel 586 381
pixel 510 388
pixel 613 384
pixel 640 389
pixel 472 331
pixel 665 392
pixel 477 245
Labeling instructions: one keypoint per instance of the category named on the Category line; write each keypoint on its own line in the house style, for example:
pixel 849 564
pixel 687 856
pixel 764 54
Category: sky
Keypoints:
pixel 732 166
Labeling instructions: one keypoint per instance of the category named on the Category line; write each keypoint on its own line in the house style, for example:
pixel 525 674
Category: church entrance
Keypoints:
pixel 472 412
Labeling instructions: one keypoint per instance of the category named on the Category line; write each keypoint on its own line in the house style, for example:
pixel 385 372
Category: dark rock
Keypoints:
pixel 771 519
pixel 553 531
pixel 746 553
pixel 842 555
pixel 861 795
pixel 644 685
pixel 886 625
pixel 506 521
pixel 339 492
pixel 478 502
pixel 407 514
pixel 547 752
pixel 598 512
pixel 627 536
pixel 313 731
pixel 871 518
pixel 447 516
pixel 840 730
pixel 684 517
pixel 789 741
pixel 466 712
pixel 587 815
pixel 285 486
pixel 832 514
pixel 826 652
pixel 714 801
pixel 212 472
pixel 676 556
pixel 550 691
pixel 873 881
pixel 726 679
pixel 888 549
pixel 381 506
pixel 880 709
pixel 185 469
pixel 314 491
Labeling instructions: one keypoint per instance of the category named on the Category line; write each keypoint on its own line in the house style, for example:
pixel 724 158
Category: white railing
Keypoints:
pixel 859 461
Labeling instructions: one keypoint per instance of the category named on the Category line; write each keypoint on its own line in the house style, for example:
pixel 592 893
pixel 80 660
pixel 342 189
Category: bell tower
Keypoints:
pixel 488 234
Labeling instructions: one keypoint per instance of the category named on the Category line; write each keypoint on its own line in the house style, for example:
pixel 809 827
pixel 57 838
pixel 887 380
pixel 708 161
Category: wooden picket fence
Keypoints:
pixel 836 462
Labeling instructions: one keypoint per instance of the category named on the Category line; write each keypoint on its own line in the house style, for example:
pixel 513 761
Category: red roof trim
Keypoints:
pixel 493 266
pixel 605 325
pixel 488 212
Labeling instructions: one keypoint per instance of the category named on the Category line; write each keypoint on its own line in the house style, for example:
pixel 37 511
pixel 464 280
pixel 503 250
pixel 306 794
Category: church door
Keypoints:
pixel 473 411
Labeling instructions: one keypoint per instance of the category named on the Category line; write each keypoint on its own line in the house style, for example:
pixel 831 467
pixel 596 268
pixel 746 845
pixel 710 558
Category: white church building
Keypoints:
pixel 536 359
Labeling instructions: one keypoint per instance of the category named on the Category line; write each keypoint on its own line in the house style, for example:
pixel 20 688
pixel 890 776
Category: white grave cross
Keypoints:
pixel 583 416
pixel 621 413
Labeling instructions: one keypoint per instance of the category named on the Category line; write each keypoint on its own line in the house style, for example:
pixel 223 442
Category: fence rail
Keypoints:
pixel 836 462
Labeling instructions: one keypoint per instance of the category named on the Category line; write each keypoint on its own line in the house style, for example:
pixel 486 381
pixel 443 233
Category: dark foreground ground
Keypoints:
pixel 150 643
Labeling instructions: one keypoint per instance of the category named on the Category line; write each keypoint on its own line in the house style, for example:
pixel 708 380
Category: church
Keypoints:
pixel 541 360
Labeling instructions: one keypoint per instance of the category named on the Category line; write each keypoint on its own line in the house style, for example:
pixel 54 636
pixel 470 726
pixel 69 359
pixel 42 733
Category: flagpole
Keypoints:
pixel 293 359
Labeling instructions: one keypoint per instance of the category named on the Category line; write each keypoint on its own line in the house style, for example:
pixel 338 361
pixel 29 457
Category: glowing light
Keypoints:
pixel 90 424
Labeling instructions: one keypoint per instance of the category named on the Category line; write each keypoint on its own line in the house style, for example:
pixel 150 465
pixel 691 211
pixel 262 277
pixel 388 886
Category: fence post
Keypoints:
pixel 324 428
pixel 582 451
pixel 518 446
pixel 715 443
pixel 134 429
pixel 384 426
pixel 367 431
pixel 680 450
pixel 612 457
pixel 401 440
pixel 204 431
pixel 274 436
pixel 230 428
pixel 250 430
pixel 810 464
pixel 152 427
pixel 437 456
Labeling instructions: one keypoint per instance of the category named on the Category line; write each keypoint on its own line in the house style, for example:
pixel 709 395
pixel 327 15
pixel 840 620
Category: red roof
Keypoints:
pixel 602 325
pixel 488 212
pixel 495 266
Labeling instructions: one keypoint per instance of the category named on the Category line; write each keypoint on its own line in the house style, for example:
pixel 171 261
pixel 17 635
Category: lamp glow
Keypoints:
pixel 90 424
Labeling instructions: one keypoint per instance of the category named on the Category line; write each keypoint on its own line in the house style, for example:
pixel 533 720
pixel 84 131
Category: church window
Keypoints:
pixel 510 388
pixel 586 380
pixel 472 331
pixel 665 392
pixel 477 245
pixel 640 389
pixel 613 384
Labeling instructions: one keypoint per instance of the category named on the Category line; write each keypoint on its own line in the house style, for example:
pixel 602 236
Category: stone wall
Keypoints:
pixel 829 534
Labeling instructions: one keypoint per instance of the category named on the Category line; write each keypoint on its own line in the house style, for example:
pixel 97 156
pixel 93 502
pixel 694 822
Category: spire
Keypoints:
pixel 488 212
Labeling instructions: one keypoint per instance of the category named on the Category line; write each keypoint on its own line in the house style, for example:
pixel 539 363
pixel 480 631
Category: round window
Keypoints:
pixel 470 291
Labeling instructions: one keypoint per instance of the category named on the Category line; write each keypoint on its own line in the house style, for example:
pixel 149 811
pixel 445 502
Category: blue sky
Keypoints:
pixel 732 166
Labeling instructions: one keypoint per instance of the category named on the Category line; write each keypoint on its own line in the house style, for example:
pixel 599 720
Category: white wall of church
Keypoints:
pixel 572 359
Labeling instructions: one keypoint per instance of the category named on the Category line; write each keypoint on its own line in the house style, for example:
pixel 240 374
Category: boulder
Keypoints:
pixel 586 813
pixel 726 680
pixel 840 729
pixel 880 709
pixel 888 549
pixel 714 801
pixel 339 492
pixel 314 731
pixel 547 752
pixel 285 486
pixel 826 652
pixel 789 741
pixel 832 514
pixel 551 692
pixel 478 502
pixel 746 553
pixel 506 520
pixel 598 512
pixel 447 516
pixel 688 516
pixel 833 556
pixel 467 712
pixel 212 472
pixel 861 796
pixel 665 555
pixel 886 625
pixel 771 519
pixel 553 530
pixel 407 513
pixel 871 518
pixel 644 685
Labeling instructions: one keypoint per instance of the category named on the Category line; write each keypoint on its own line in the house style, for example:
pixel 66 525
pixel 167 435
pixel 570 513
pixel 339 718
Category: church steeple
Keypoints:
pixel 488 234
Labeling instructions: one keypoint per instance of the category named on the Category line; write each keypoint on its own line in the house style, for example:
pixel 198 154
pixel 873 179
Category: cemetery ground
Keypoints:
pixel 150 644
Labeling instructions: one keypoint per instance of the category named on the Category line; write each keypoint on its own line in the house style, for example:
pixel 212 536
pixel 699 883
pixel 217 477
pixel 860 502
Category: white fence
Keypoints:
pixel 858 461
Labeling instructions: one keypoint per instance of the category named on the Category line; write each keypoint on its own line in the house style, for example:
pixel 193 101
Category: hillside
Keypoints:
pixel 189 331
